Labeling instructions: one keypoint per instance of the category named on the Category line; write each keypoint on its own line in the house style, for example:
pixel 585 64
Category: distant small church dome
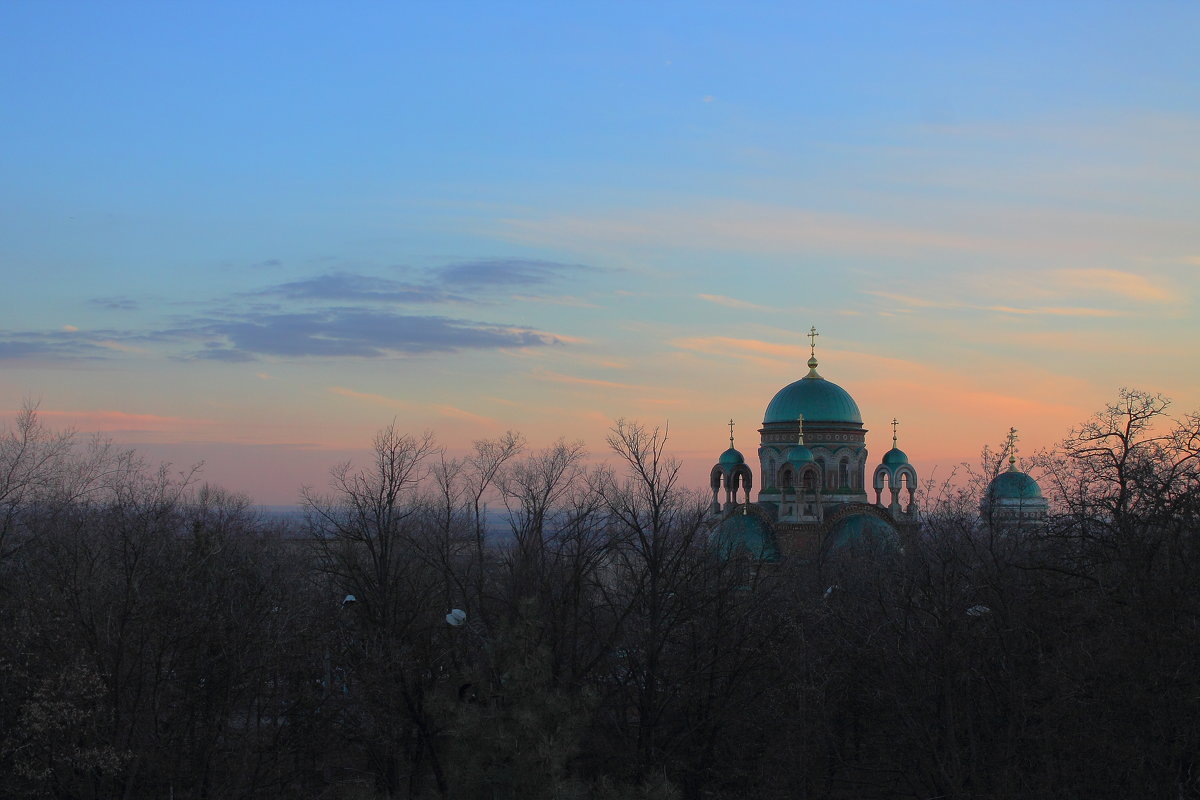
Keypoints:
pixel 1014 485
pixel 895 457
pixel 731 458
pixel 1013 495
pixel 817 399
pixel 800 455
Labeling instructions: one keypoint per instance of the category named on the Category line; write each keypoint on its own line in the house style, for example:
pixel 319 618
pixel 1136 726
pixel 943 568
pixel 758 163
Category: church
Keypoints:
pixel 814 496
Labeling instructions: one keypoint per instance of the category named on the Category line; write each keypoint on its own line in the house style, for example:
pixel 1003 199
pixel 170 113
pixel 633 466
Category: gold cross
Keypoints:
pixel 1012 446
pixel 895 424
pixel 812 339
pixel 731 432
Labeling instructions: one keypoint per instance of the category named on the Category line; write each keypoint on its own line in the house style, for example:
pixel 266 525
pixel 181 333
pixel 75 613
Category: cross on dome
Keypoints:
pixel 731 432
pixel 812 347
pixel 1011 447
pixel 895 424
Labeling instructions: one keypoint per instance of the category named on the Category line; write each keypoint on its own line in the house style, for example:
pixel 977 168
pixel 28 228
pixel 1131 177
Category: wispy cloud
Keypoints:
pixel 756 351
pixel 1048 311
pixel 458 413
pixel 1111 281
pixel 361 333
pixel 343 286
pixel 733 302
pixel 114 303
pixel 558 377
pixel 506 272
pixel 559 300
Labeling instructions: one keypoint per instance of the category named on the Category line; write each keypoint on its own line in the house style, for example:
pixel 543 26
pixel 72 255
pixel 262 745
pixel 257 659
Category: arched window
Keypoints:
pixel 844 473
pixel 825 476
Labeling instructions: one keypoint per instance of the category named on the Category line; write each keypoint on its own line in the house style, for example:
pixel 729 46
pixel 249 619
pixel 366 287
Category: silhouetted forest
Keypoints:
pixel 161 640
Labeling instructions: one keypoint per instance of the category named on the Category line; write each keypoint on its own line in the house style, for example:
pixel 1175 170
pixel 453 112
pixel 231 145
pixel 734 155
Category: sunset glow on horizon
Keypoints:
pixel 254 235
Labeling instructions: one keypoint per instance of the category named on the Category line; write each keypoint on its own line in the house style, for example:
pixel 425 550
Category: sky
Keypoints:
pixel 251 234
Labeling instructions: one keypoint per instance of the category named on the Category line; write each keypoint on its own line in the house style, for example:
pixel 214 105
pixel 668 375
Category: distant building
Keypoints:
pixel 814 495
pixel 1013 497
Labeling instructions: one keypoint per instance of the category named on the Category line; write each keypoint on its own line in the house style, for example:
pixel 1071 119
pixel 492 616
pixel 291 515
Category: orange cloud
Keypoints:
pixel 766 354
pixel 1049 311
pixel 733 302
pixel 1055 312
pixel 1111 281
pixel 458 413
pixel 557 377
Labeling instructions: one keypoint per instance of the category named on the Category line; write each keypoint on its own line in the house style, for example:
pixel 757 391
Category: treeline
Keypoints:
pixel 160 640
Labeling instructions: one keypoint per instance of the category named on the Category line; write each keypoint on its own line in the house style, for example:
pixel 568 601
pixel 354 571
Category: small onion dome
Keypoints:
pixel 800 455
pixel 1014 485
pixel 731 458
pixel 895 458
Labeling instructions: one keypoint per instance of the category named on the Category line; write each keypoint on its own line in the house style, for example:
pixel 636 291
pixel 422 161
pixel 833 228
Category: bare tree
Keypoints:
pixel 42 469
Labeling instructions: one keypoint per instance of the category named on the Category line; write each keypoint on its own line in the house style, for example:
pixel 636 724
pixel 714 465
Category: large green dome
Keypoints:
pixel 817 399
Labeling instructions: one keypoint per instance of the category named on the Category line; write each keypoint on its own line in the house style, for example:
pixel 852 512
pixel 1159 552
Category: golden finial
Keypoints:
pixel 812 349
pixel 1011 446
pixel 895 424
pixel 800 422
pixel 730 433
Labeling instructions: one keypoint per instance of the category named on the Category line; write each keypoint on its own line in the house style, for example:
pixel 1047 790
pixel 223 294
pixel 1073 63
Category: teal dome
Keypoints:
pixel 746 532
pixel 862 529
pixel 895 457
pixel 731 458
pixel 1014 485
pixel 817 399
pixel 800 455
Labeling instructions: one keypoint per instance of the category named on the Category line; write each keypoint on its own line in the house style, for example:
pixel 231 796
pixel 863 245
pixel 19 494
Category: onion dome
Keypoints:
pixel 731 458
pixel 817 399
pixel 800 455
pixel 895 457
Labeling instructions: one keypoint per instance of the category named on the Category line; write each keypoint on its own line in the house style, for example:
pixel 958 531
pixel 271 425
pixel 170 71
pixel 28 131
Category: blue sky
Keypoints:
pixel 228 227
